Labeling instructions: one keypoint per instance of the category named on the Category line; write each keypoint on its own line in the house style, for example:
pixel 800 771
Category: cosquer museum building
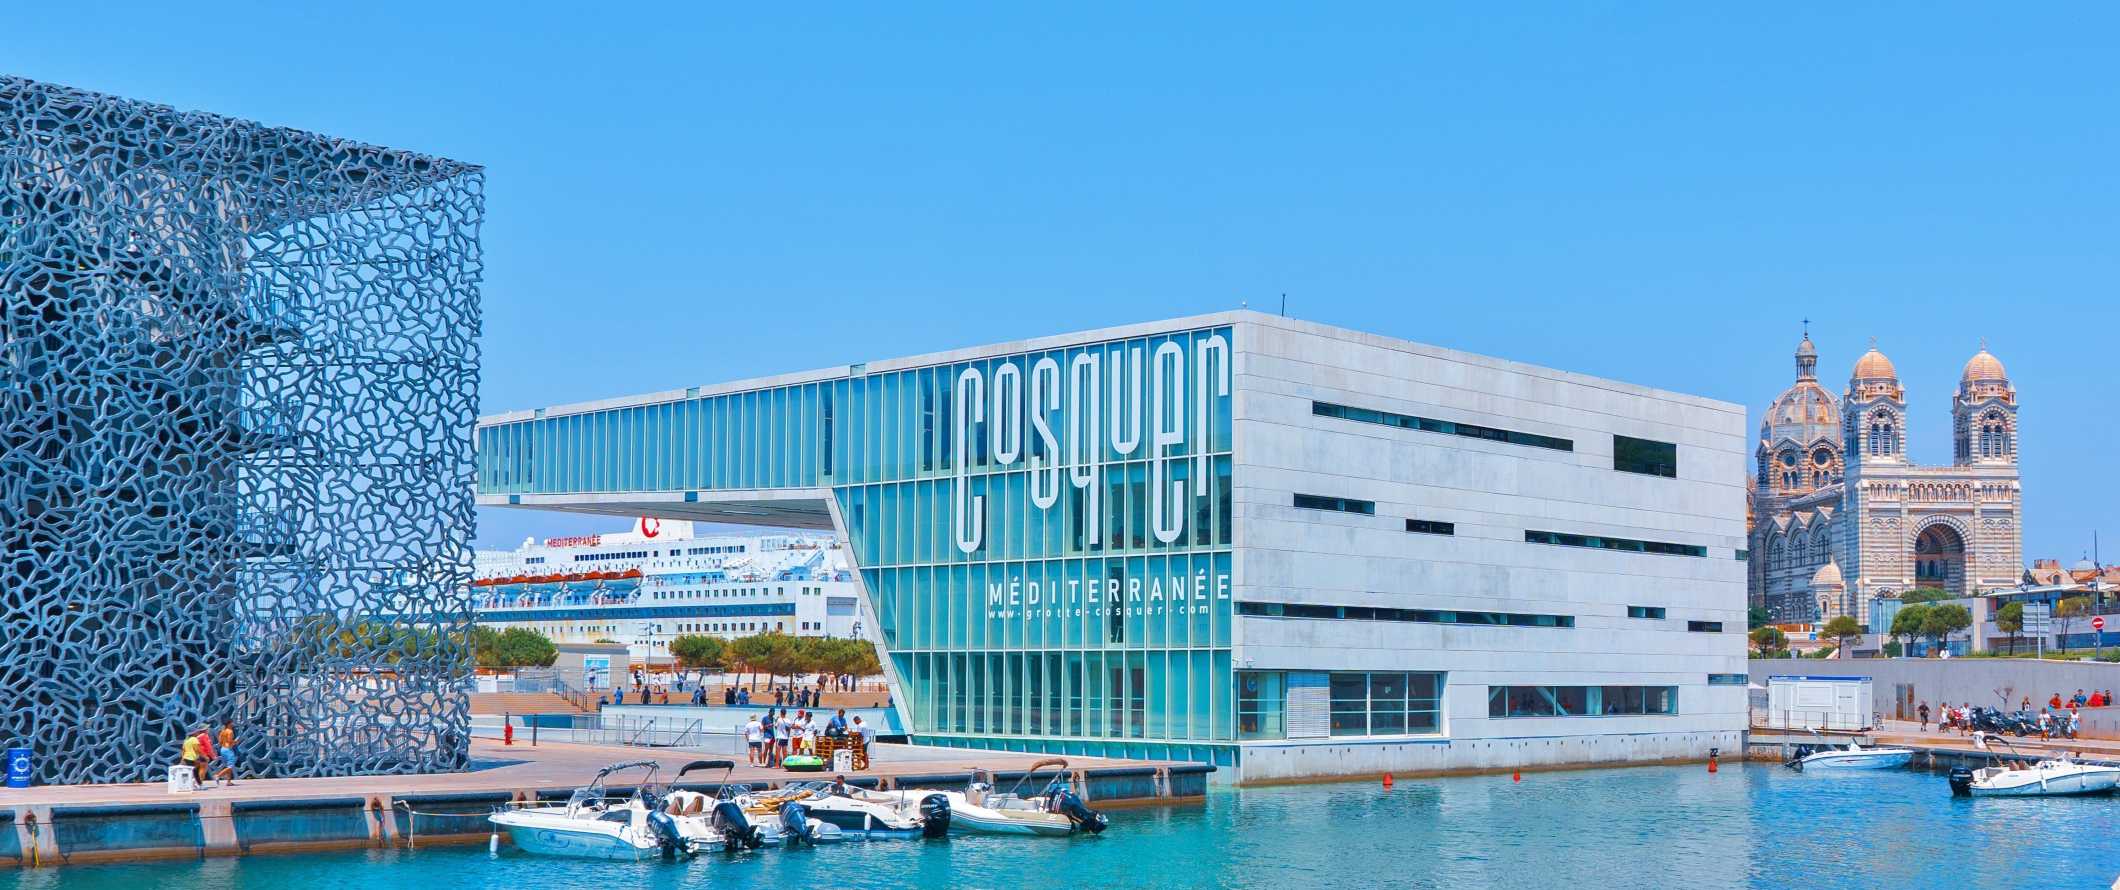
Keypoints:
pixel 1284 547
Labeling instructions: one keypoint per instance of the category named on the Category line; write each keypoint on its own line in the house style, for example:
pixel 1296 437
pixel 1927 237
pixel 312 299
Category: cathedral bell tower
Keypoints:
pixel 1984 414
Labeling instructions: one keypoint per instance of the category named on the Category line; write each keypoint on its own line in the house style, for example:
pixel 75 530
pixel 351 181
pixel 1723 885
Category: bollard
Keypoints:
pixel 507 729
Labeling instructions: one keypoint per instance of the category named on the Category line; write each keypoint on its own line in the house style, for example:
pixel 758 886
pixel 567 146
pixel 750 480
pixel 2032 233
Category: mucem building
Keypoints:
pixel 238 380
pixel 1285 547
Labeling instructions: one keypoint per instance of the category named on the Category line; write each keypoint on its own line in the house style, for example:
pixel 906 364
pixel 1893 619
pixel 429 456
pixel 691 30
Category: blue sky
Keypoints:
pixel 683 194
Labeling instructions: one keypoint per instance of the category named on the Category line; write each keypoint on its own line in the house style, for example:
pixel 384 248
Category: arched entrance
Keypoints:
pixel 1939 559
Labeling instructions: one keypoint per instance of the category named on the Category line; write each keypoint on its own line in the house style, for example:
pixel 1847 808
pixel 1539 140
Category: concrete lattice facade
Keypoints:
pixel 1840 514
pixel 238 376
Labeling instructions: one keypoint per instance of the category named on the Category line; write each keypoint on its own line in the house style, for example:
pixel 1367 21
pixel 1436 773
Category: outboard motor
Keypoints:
pixel 796 819
pixel 1067 804
pixel 1961 782
pixel 666 834
pixel 934 816
pixel 737 832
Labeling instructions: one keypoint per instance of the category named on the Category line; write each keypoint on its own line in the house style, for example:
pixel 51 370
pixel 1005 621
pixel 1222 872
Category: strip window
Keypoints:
pixel 1653 612
pixel 1431 425
pixel 1628 545
pixel 1704 627
pixel 1580 701
pixel 1340 505
pixel 1431 527
pixel 1418 616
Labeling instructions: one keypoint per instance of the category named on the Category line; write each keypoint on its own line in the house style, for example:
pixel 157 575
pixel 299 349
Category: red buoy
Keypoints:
pixel 1387 780
pixel 1516 775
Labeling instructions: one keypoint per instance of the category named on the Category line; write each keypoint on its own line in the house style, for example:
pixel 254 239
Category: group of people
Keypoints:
pixel 211 755
pixel 773 736
pixel 2060 718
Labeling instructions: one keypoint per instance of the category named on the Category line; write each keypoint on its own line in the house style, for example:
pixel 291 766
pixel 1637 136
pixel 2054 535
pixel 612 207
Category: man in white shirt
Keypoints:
pixel 753 736
pixel 865 731
pixel 799 732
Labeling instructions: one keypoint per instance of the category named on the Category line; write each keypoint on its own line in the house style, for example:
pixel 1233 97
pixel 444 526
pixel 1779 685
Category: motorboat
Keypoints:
pixel 2052 777
pixel 859 812
pixel 783 816
pixel 594 824
pixel 1055 811
pixel 1851 756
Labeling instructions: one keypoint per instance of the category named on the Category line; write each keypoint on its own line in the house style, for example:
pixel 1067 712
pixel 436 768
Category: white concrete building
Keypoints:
pixel 1289 548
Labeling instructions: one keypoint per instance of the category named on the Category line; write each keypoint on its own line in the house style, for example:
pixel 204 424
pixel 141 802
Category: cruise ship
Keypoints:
pixel 656 581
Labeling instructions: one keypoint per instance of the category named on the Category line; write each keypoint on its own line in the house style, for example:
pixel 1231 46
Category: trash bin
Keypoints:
pixel 19 767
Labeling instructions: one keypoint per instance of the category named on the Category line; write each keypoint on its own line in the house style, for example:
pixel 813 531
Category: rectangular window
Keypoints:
pixel 1645 456
pixel 1431 527
pixel 1341 505
pixel 1704 627
pixel 1261 705
pixel 1420 616
pixel 1580 701
pixel 1429 425
pixel 1655 612
pixel 1386 703
pixel 1728 679
pixel 1743 555
pixel 1628 545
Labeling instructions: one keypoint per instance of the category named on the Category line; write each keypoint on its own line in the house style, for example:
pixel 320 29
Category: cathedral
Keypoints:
pixel 1840 516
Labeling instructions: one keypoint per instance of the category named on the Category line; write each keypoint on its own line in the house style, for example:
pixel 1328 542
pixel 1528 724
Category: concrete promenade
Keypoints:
pixel 53 825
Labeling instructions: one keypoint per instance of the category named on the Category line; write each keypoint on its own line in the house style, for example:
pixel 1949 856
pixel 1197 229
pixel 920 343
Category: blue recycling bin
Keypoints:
pixel 18 767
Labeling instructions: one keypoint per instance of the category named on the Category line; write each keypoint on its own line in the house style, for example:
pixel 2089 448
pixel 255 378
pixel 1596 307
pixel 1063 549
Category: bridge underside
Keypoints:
pixel 808 508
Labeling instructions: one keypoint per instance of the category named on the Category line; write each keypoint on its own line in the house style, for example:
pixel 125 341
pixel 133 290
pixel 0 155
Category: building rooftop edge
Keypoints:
pixel 1118 332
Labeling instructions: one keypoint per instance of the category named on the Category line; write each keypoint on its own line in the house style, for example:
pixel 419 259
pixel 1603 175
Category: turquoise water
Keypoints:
pixel 1748 826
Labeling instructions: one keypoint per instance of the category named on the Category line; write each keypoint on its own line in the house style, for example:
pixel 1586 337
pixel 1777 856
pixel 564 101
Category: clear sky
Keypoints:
pixel 687 193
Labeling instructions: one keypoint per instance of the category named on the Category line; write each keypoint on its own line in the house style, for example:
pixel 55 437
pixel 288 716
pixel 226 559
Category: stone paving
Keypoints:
pixel 524 768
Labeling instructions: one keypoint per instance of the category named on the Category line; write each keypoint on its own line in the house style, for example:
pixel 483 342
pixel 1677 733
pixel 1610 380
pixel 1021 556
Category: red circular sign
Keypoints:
pixel 2098 623
pixel 650 527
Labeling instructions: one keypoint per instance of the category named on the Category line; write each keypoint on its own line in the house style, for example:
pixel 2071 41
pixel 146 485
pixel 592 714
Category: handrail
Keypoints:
pixel 650 725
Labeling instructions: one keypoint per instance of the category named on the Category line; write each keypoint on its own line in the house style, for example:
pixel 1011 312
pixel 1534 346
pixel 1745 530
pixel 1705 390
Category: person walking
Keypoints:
pixel 191 755
pixel 206 753
pixel 1924 712
pixel 226 775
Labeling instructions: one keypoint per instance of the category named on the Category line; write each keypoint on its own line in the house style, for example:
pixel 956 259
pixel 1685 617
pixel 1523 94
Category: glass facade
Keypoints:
pixel 1045 536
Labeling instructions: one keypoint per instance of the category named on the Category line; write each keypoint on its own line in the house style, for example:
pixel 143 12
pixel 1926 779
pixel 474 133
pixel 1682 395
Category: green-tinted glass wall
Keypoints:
pixel 1045 535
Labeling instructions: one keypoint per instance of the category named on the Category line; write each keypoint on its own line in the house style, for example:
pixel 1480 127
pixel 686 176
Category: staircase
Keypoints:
pixel 495 703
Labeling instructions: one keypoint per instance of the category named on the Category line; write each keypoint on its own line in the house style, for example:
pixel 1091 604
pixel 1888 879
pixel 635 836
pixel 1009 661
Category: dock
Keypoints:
pixel 1936 749
pixel 59 825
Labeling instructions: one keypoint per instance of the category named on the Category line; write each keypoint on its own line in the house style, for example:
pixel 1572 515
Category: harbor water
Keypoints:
pixel 1752 826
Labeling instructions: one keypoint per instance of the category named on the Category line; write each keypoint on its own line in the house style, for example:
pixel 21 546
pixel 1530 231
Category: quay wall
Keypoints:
pixel 35 836
pixel 1346 757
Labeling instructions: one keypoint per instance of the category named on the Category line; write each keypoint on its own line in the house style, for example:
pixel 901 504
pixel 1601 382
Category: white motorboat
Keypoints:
pixel 2052 777
pixel 1054 812
pixel 594 824
pixel 1853 756
pixel 858 812
pixel 782 816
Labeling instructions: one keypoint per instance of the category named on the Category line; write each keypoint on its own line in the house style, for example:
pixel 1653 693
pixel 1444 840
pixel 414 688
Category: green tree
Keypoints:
pixel 1768 639
pixel 1925 595
pixel 1907 622
pixel 2010 620
pixel 522 647
pixel 1940 621
pixel 2067 611
pixel 699 652
pixel 749 654
pixel 1756 617
pixel 1842 629
pixel 783 655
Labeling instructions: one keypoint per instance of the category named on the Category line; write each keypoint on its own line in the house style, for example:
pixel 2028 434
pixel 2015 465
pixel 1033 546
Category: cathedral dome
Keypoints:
pixel 1828 576
pixel 1874 366
pixel 1804 413
pixel 1985 368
